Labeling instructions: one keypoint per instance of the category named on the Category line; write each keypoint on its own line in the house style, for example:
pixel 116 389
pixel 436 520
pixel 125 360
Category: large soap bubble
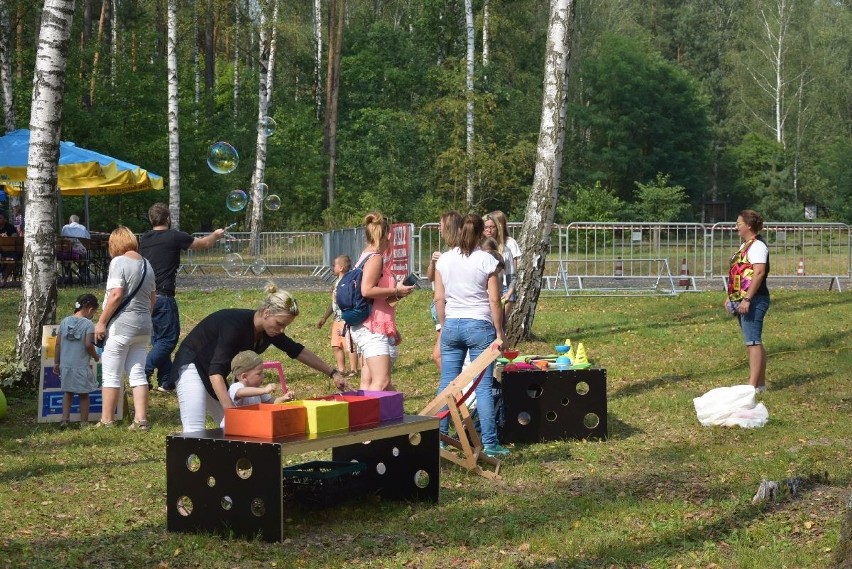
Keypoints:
pixel 258 265
pixel 222 158
pixel 262 189
pixel 272 202
pixel 236 200
pixel 268 124
pixel 232 262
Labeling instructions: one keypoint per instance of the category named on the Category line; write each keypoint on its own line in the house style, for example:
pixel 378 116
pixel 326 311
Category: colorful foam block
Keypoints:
pixel 324 416
pixel 363 411
pixel 390 402
pixel 265 421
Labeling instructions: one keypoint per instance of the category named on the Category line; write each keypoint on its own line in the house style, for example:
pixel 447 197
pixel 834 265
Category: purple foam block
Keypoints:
pixel 390 402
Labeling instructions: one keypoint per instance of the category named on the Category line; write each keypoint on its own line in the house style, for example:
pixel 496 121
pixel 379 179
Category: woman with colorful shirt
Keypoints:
pixel 377 337
pixel 748 295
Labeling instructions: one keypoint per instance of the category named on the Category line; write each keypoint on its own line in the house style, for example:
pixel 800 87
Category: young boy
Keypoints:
pixel 247 367
pixel 339 342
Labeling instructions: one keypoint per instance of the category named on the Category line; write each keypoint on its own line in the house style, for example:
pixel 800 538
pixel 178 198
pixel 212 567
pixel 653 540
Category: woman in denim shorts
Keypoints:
pixel 748 295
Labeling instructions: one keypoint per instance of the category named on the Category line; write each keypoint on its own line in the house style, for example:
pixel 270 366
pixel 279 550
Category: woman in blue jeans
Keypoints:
pixel 467 298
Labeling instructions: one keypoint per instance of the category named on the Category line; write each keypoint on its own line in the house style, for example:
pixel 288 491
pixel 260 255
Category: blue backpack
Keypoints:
pixel 354 308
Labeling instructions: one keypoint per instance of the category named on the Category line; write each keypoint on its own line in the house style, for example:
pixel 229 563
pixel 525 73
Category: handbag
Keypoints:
pixel 100 343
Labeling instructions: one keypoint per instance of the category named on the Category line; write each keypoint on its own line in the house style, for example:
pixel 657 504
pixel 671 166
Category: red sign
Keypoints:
pixel 399 254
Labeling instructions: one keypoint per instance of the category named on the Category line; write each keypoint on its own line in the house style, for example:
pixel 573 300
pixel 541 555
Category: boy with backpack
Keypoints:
pixel 340 340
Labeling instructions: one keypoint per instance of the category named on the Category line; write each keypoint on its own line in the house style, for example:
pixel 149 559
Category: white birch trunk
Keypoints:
pixel 38 289
pixel 471 32
pixel 113 48
pixel 318 60
pixel 196 64
pixel 237 61
pixel 486 25
pixel 535 234
pixel 6 67
pixel 174 138
pixel 256 223
pixel 273 43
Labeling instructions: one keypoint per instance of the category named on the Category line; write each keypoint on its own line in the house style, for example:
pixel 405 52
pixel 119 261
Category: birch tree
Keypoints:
pixel 6 67
pixel 256 222
pixel 273 44
pixel 471 34
pixel 38 289
pixel 174 137
pixel 237 50
pixel 318 57
pixel 541 205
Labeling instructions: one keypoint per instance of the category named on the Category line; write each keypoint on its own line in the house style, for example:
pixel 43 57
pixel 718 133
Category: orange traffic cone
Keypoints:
pixel 801 270
pixel 684 271
pixel 619 268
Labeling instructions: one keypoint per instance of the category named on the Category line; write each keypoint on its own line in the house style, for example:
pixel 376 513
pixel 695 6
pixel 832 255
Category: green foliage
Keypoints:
pixel 660 202
pixel 590 203
pixel 640 115
pixel 763 178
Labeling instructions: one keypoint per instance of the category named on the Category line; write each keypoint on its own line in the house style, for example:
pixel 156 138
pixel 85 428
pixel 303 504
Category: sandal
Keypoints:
pixel 139 426
pixel 100 424
pixel 63 424
pixel 350 374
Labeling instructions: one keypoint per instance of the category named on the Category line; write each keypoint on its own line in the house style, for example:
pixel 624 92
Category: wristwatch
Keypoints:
pixel 332 372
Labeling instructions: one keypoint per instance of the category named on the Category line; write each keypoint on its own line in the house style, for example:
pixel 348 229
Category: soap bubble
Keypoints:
pixel 258 265
pixel 272 202
pixel 262 189
pixel 232 262
pixel 268 124
pixel 222 158
pixel 236 200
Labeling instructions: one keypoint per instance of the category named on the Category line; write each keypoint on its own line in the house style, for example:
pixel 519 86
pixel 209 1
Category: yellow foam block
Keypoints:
pixel 324 416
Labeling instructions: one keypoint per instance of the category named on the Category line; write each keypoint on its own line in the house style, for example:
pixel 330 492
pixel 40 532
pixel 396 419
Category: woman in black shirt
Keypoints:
pixel 204 358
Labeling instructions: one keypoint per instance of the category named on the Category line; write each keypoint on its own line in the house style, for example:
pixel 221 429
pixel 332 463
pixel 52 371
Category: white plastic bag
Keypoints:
pixel 731 407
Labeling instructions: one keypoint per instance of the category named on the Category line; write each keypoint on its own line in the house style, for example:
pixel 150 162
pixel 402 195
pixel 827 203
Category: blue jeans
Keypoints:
pixel 751 323
pixel 458 337
pixel 166 321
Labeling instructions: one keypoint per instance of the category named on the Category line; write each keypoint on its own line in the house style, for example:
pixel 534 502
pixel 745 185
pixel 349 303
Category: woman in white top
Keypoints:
pixel 467 298
pixel 497 228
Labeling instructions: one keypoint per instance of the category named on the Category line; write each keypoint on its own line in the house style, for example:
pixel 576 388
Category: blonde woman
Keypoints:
pixel 125 322
pixel 377 337
pixel 203 359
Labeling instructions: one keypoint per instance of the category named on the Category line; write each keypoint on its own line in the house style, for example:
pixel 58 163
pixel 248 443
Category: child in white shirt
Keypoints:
pixel 247 368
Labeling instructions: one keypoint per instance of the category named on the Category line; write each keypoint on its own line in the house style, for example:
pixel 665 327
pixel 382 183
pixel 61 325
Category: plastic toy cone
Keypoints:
pixel 567 341
pixel 570 353
pixel 581 355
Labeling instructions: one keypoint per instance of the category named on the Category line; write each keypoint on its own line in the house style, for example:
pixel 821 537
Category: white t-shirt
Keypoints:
pixel 758 253
pixel 465 280
pixel 243 401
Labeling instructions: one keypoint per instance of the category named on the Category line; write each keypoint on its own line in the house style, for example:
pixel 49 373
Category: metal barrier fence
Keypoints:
pixel 233 254
pixel 691 251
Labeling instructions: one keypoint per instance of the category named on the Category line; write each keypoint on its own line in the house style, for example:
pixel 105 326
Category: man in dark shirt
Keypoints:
pixel 162 246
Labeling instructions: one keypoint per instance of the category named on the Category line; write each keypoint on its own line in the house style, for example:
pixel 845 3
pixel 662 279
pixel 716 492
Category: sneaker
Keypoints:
pixel 139 426
pixel 165 389
pixel 496 451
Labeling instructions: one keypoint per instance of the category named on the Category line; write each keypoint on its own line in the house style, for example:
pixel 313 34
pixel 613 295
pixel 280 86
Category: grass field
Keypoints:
pixel 661 492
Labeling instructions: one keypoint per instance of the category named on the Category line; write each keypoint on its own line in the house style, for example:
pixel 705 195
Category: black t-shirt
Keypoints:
pixel 214 342
pixel 162 248
pixel 8 230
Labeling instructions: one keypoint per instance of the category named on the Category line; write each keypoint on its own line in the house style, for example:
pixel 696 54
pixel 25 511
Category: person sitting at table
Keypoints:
pixel 7 230
pixel 18 219
pixel 76 230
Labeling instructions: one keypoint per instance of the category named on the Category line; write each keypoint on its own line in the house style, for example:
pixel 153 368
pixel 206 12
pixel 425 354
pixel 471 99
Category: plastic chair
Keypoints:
pixel 471 455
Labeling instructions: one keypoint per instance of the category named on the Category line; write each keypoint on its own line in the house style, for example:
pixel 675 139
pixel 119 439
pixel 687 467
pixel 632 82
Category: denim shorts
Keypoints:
pixel 509 281
pixel 752 322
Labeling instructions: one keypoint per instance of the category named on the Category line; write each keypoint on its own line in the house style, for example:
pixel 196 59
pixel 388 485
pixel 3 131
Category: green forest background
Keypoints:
pixel 665 96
